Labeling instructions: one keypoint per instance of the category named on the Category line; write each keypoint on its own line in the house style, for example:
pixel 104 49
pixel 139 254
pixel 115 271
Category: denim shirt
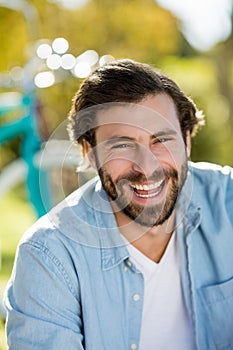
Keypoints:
pixel 73 285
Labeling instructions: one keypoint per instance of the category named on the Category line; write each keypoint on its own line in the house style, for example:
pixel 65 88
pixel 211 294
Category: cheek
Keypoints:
pixel 116 156
pixel 172 154
pixel 116 167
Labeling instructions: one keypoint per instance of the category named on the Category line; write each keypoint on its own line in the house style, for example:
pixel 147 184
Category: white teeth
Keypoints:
pixel 147 195
pixel 149 187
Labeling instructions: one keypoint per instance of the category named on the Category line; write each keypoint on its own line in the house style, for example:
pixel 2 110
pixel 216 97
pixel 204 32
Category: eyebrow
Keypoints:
pixel 165 132
pixel 116 138
pixel 158 134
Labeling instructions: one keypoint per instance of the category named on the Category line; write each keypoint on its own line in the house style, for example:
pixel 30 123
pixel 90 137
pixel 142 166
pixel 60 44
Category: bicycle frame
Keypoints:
pixel 26 125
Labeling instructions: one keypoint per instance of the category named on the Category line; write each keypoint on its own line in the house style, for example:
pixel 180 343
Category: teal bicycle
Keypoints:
pixel 26 126
pixel 38 161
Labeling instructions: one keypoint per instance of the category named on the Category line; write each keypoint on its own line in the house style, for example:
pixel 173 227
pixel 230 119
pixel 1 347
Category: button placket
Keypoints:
pixel 136 288
pixel 129 263
pixel 136 297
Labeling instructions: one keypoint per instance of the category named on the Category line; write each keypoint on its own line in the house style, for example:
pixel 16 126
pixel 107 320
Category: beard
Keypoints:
pixel 145 215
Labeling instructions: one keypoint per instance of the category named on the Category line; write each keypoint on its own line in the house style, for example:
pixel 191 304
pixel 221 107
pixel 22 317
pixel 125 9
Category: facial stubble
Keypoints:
pixel 145 215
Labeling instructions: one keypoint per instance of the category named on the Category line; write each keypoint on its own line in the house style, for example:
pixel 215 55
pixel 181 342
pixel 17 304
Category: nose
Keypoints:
pixel 145 161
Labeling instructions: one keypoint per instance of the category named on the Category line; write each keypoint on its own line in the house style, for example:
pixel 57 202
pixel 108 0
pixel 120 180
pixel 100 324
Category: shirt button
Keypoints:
pixel 129 263
pixel 133 346
pixel 136 297
pixel 125 268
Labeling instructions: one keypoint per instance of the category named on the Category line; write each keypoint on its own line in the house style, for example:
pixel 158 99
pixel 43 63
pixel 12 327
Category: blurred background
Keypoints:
pixel 48 47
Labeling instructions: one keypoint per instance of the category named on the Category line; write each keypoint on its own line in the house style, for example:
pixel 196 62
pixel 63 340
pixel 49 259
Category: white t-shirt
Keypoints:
pixel 165 323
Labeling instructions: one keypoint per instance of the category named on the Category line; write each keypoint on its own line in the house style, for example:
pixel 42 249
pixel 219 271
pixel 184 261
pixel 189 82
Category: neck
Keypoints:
pixel 151 241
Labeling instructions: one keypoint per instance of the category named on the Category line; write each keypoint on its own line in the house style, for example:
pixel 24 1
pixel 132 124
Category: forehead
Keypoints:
pixel 153 114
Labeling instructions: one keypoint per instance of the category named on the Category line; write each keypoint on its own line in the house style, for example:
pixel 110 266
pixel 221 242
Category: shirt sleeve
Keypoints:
pixel 229 193
pixel 43 303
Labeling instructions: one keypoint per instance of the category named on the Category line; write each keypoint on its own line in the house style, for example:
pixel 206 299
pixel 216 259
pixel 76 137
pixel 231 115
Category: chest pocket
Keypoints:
pixel 217 307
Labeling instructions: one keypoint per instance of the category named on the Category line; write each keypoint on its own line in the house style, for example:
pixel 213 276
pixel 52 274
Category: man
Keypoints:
pixel 141 256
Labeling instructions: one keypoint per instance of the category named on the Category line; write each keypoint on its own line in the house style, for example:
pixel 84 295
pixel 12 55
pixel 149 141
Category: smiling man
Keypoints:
pixel 141 256
pixel 134 158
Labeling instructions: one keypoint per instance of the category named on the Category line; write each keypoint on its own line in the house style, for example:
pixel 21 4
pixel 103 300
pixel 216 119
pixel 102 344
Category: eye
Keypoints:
pixel 121 146
pixel 162 139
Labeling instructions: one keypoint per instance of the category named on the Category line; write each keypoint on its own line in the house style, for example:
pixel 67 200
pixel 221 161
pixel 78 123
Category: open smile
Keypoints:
pixel 148 190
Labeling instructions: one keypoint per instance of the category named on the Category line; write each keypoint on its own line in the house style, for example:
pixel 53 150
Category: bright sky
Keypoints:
pixel 204 22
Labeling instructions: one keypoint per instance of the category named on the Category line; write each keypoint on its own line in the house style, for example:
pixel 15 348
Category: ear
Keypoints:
pixel 88 152
pixel 188 143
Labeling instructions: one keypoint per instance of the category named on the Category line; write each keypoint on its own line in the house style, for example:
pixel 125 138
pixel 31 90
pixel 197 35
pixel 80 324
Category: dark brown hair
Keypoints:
pixel 126 81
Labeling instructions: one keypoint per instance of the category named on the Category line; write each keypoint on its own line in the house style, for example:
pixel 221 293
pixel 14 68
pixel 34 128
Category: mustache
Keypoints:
pixel 157 176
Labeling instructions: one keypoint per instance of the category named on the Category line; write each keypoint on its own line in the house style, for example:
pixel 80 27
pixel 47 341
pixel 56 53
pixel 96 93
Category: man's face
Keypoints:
pixel 141 158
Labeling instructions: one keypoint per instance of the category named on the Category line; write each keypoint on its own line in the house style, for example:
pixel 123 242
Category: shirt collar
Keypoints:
pixel 88 219
pixel 188 208
pixel 113 246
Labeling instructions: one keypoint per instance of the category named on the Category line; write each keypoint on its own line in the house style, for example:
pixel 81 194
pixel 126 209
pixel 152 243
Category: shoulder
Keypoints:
pixel 212 183
pixel 62 238
pixel 206 172
pixel 70 220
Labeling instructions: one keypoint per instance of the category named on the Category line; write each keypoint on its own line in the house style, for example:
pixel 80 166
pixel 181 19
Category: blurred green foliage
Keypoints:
pixel 137 29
